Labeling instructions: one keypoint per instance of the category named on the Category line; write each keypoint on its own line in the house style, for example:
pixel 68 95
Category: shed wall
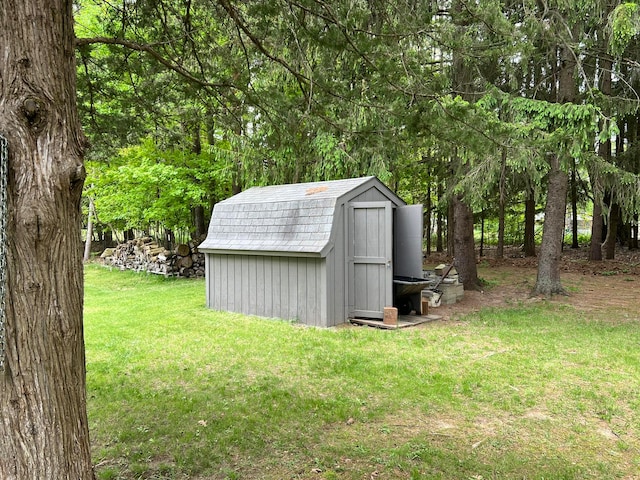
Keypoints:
pixel 336 263
pixel 337 258
pixel 293 288
pixel 370 195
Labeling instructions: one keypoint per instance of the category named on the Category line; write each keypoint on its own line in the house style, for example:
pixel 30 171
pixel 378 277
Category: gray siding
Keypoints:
pixel 370 195
pixel 337 271
pixel 292 288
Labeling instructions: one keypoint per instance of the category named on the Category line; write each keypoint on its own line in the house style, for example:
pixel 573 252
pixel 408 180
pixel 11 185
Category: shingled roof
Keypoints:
pixel 295 218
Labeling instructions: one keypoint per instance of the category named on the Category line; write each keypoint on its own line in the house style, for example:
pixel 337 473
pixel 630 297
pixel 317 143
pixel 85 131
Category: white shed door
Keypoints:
pixel 370 226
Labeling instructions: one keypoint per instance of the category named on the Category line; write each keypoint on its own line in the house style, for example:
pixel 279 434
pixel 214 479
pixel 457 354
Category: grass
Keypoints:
pixel 177 391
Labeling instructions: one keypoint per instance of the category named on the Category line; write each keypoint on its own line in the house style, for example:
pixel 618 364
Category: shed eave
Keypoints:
pixel 270 253
pixel 372 181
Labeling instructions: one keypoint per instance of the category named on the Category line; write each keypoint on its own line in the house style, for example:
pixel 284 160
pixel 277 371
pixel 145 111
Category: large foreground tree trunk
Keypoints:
pixel 548 281
pixel 43 424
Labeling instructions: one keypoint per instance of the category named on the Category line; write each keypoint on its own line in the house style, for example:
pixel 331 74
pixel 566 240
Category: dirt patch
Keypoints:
pixel 608 286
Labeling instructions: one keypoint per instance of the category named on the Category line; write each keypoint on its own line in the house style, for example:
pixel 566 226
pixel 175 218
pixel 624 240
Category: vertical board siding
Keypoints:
pixel 369 247
pixel 276 287
pixel 267 308
pixel 290 288
pixel 323 295
pixel 287 305
pixel 293 280
pixel 260 299
pixel 222 271
pixel 332 287
pixel 245 285
pixel 301 291
pixel 339 285
pixel 370 195
pixel 328 283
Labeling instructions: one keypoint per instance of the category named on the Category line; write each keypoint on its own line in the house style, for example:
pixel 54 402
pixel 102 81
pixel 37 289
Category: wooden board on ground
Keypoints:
pixel 404 321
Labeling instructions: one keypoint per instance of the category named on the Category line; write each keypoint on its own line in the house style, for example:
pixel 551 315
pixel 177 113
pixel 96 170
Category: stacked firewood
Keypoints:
pixel 188 261
pixel 145 255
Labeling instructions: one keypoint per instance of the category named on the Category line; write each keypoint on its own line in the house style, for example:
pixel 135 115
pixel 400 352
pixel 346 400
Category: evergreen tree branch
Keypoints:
pixel 156 56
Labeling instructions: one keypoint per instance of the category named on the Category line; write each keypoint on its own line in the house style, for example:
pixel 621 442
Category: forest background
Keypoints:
pixel 486 109
pixel 493 108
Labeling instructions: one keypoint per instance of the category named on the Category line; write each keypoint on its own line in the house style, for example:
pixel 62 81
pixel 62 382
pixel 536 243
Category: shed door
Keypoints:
pixel 370 250
pixel 407 241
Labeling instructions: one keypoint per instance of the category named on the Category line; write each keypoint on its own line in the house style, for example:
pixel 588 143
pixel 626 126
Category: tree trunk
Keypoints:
pixel 451 225
pixel 439 220
pixel 574 207
pixel 169 239
pixel 43 425
pixel 609 245
pixel 597 224
pixel 199 221
pixel 87 242
pixel 501 205
pixel 482 234
pixel 465 254
pixel 530 226
pixel 595 250
pixel 108 239
pixel 427 217
pixel 548 281
pixel 604 150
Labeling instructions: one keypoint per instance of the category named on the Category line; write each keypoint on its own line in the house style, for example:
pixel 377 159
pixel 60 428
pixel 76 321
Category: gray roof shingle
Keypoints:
pixel 295 218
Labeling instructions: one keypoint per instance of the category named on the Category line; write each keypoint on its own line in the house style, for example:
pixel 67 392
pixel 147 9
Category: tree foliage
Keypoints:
pixel 298 90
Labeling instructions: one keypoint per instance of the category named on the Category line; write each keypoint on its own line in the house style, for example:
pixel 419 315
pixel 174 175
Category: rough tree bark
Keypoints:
pixel 43 421
pixel 464 247
pixel 451 222
pixel 529 246
pixel 89 236
pixel 604 150
pixel 548 280
pixel 595 248
pixel 439 219
pixel 199 221
pixel 574 207
pixel 609 245
pixel 501 204
pixel 463 83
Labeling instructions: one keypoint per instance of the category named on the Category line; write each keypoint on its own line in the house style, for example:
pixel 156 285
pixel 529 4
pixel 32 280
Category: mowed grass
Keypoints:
pixel 178 391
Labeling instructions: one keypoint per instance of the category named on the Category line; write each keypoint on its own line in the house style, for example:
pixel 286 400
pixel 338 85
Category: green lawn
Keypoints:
pixel 177 391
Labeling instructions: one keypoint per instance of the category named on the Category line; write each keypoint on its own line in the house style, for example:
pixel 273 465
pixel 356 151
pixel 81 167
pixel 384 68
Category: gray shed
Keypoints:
pixel 318 253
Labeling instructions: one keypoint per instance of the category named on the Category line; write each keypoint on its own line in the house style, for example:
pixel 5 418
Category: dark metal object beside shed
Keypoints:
pixel 318 253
